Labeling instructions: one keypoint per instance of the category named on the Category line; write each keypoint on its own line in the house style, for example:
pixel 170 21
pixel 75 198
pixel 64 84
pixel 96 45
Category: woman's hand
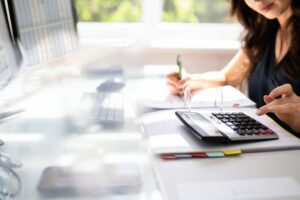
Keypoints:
pixel 176 85
pixel 286 108
pixel 195 82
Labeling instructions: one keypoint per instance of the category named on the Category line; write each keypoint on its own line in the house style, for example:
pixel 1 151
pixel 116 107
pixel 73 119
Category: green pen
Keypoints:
pixel 179 64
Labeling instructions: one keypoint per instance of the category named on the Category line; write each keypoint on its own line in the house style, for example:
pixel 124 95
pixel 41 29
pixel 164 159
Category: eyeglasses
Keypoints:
pixel 10 182
pixel 218 101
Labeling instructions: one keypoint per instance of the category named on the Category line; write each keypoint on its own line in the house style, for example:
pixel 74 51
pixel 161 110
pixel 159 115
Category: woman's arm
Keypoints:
pixel 237 69
pixel 233 74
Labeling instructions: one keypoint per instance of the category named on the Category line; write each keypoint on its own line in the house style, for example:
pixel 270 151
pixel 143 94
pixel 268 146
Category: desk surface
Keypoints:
pixel 45 136
pixel 50 133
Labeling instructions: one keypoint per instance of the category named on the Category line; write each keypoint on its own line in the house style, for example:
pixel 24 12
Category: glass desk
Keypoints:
pixel 65 157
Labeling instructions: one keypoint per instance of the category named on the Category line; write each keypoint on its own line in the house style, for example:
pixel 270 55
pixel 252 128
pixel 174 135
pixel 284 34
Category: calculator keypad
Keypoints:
pixel 242 124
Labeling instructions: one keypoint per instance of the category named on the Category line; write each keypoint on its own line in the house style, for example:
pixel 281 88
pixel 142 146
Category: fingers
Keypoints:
pixel 173 74
pixel 283 90
pixel 278 105
pixel 173 78
pixel 272 103
pixel 173 90
pixel 184 83
pixel 175 85
pixel 268 99
pixel 288 108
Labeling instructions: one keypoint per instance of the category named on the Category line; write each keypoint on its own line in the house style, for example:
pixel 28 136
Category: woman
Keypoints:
pixel 269 60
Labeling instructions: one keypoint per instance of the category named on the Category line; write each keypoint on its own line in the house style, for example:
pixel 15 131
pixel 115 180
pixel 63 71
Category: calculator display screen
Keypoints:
pixel 199 121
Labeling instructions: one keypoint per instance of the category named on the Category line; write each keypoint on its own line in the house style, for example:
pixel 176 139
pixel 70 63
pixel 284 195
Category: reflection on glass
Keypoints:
pixel 89 181
pixel 195 11
pixel 10 183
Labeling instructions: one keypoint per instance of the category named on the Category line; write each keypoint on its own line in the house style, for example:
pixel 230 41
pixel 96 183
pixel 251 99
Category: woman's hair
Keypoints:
pixel 258 30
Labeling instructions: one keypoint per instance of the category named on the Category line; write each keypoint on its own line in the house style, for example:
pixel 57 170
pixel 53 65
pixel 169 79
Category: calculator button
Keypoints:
pixel 229 123
pixel 263 127
pixel 224 120
pixel 241 132
pixel 234 127
pixel 257 132
pixel 250 132
pixel 243 124
pixel 266 131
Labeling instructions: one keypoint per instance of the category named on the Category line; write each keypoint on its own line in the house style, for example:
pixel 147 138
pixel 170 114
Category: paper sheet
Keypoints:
pixel 263 188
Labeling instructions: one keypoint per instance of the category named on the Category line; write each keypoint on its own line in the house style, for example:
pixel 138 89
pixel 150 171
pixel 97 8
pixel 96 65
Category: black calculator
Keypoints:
pixel 225 126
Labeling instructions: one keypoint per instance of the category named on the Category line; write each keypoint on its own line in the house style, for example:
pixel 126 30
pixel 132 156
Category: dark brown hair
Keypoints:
pixel 258 30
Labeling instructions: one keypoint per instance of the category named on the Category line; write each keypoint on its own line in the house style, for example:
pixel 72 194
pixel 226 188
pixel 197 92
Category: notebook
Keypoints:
pixel 157 97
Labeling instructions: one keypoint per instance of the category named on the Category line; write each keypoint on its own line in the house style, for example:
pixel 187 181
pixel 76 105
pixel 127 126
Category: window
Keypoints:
pixel 157 23
pixel 187 11
pixel 109 10
pixel 195 11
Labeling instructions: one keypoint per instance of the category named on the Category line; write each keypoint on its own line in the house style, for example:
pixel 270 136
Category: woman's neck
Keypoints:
pixel 284 18
pixel 283 38
pixel 284 34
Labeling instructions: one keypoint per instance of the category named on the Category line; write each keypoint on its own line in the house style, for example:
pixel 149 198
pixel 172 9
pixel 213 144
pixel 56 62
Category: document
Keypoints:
pixel 155 94
pixel 167 134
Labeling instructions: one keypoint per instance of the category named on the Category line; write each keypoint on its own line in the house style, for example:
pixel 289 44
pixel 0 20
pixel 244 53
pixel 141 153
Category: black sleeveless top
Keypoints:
pixel 266 76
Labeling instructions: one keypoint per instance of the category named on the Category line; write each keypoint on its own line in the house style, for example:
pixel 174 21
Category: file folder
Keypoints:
pixel 168 136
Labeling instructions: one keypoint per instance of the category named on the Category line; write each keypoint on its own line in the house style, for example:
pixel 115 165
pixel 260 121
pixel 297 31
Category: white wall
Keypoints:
pixel 202 47
pixel 194 60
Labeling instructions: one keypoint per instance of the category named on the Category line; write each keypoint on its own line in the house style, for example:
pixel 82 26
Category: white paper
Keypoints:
pixel 251 189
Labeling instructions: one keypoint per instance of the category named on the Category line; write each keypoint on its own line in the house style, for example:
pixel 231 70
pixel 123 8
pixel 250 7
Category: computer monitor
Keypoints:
pixel 46 28
pixel 10 55
pixel 11 58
